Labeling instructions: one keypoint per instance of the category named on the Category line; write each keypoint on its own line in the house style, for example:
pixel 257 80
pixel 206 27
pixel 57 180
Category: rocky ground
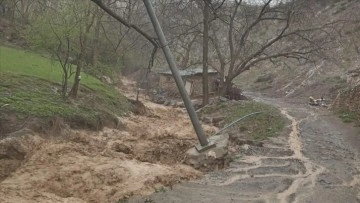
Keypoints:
pixel 316 161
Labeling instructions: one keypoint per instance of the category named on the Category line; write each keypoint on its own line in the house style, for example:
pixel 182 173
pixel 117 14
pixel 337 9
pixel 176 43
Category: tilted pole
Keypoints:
pixel 175 72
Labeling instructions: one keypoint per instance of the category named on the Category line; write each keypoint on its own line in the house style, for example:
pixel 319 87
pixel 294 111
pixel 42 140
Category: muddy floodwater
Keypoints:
pixel 315 161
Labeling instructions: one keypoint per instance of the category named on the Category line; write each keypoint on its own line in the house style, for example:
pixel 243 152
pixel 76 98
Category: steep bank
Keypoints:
pixel 31 97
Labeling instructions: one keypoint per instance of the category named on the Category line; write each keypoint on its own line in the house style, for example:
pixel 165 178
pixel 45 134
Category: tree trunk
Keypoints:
pixel 226 88
pixel 221 82
pixel 84 33
pixel 205 53
pixel 77 78
pixel 65 85
pixel 95 51
pixel 79 66
pixel 12 13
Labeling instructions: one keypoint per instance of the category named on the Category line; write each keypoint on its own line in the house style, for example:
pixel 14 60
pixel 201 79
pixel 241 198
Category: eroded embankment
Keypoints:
pixel 99 167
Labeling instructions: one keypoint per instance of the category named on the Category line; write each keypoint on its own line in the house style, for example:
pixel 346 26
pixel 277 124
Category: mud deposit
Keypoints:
pixel 99 167
pixel 314 162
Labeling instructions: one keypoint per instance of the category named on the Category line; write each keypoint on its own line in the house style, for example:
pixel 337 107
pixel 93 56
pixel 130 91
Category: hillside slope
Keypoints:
pixel 30 96
pixel 325 76
pixel 335 76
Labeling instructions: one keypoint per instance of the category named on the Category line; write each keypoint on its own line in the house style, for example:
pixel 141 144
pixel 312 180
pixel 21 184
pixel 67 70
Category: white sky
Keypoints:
pixel 274 2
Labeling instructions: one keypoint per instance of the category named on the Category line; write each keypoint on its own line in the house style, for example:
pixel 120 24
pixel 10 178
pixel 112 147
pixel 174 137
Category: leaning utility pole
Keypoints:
pixel 204 142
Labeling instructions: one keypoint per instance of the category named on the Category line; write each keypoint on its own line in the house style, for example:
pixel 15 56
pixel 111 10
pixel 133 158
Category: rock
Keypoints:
pixel 55 90
pixel 206 158
pixel 158 99
pixel 137 107
pixel 223 99
pixel 106 79
pixel 245 147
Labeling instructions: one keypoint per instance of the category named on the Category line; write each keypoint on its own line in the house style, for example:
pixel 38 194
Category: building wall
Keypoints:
pixel 198 86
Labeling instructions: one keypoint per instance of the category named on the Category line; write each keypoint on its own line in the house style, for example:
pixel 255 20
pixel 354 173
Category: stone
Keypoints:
pixel 245 147
pixel 223 99
pixel 205 158
pixel 106 79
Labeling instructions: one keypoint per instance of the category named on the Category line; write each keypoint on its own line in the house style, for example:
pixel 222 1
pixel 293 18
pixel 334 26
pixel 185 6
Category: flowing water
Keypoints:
pixel 313 162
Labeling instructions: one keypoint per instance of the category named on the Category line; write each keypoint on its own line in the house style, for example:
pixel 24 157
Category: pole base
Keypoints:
pixel 200 148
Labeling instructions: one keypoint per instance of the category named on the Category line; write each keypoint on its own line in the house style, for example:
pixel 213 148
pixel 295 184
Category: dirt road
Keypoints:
pixel 316 161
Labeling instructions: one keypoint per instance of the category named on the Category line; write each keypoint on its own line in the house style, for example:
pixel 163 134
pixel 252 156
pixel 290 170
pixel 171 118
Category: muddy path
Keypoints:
pixel 316 161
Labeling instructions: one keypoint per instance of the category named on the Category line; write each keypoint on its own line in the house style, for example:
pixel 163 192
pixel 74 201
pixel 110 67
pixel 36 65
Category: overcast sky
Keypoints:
pixel 274 2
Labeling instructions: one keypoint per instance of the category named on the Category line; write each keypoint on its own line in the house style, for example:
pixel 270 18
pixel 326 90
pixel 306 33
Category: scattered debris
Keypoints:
pixel 317 102
pixel 107 80
pixel 209 157
pixel 137 107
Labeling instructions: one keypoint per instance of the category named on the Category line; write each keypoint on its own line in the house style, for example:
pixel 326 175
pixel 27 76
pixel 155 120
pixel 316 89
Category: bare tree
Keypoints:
pixel 126 23
pixel 257 33
pixel 185 44
pixel 182 23
pixel 86 17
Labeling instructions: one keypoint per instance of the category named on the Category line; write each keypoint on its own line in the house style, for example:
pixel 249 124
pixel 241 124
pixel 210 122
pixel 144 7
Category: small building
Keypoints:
pixel 192 78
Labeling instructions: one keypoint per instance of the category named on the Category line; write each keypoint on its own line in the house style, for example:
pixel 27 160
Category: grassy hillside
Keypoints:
pixel 29 85
pixel 21 62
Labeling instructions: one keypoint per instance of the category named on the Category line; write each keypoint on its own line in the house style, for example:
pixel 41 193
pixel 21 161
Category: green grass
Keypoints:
pixel 269 123
pixel 348 116
pixel 28 84
pixel 21 62
pixel 26 63
pixel 335 83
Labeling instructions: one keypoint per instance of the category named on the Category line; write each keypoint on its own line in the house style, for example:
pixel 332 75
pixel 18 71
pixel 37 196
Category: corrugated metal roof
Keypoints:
pixel 190 71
